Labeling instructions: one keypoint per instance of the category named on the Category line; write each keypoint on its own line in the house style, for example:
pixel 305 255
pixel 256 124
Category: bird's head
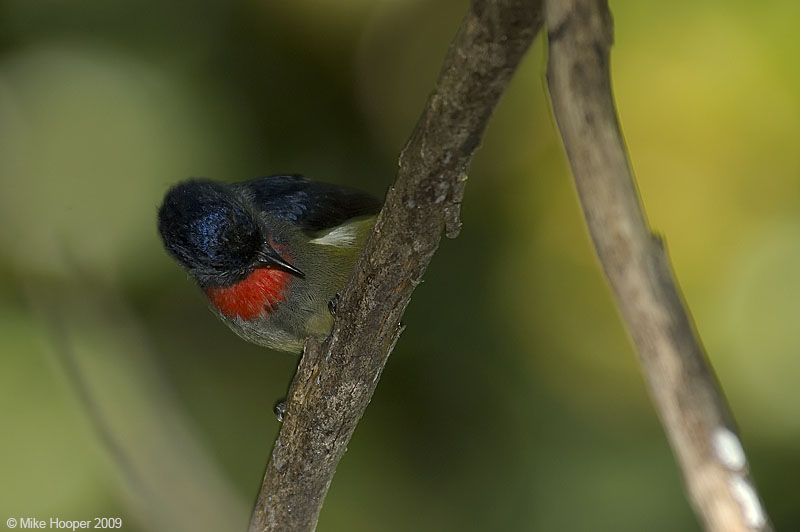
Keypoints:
pixel 212 232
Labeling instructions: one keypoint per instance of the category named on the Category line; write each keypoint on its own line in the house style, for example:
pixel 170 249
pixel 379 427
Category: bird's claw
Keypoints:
pixel 333 304
pixel 280 409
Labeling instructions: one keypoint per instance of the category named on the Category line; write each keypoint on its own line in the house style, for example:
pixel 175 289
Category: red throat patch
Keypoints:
pixel 256 295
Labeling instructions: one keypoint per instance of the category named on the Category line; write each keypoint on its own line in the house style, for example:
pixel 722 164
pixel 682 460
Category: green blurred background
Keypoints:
pixel 513 401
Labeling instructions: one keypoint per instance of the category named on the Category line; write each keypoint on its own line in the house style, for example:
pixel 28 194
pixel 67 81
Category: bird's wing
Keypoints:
pixel 313 205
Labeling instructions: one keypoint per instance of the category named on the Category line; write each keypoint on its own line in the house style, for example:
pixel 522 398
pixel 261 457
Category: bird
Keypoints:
pixel 270 254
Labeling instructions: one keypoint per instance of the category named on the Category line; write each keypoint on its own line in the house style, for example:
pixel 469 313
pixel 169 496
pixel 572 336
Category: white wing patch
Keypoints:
pixel 343 236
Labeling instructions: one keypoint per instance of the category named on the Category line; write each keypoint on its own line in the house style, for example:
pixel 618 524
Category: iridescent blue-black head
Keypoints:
pixel 211 231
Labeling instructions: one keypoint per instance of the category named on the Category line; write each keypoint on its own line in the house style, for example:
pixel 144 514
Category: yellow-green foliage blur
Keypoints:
pixel 513 401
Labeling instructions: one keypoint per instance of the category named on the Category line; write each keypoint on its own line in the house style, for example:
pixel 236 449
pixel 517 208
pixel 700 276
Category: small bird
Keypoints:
pixel 270 254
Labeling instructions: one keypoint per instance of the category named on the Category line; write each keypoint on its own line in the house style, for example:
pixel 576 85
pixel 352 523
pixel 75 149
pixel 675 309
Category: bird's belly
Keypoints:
pixel 286 329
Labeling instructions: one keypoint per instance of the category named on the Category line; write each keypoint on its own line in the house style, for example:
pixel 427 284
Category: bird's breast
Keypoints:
pixel 257 295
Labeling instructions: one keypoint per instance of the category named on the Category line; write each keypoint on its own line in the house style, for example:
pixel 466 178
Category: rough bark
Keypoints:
pixel 682 384
pixel 335 380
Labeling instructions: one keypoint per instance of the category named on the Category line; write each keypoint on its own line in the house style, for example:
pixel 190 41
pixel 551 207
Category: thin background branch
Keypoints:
pixel 335 380
pixel 170 481
pixel 686 394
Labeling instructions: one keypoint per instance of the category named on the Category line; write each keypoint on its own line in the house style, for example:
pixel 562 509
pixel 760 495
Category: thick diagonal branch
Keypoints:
pixel 335 380
pixel 686 394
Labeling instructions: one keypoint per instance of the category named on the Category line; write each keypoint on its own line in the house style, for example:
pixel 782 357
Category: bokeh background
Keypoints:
pixel 513 401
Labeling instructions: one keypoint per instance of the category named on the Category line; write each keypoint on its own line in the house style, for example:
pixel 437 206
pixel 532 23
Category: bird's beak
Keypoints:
pixel 269 258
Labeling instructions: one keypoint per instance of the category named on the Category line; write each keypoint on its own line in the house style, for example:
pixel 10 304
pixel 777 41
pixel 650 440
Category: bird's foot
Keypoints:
pixel 333 304
pixel 280 409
